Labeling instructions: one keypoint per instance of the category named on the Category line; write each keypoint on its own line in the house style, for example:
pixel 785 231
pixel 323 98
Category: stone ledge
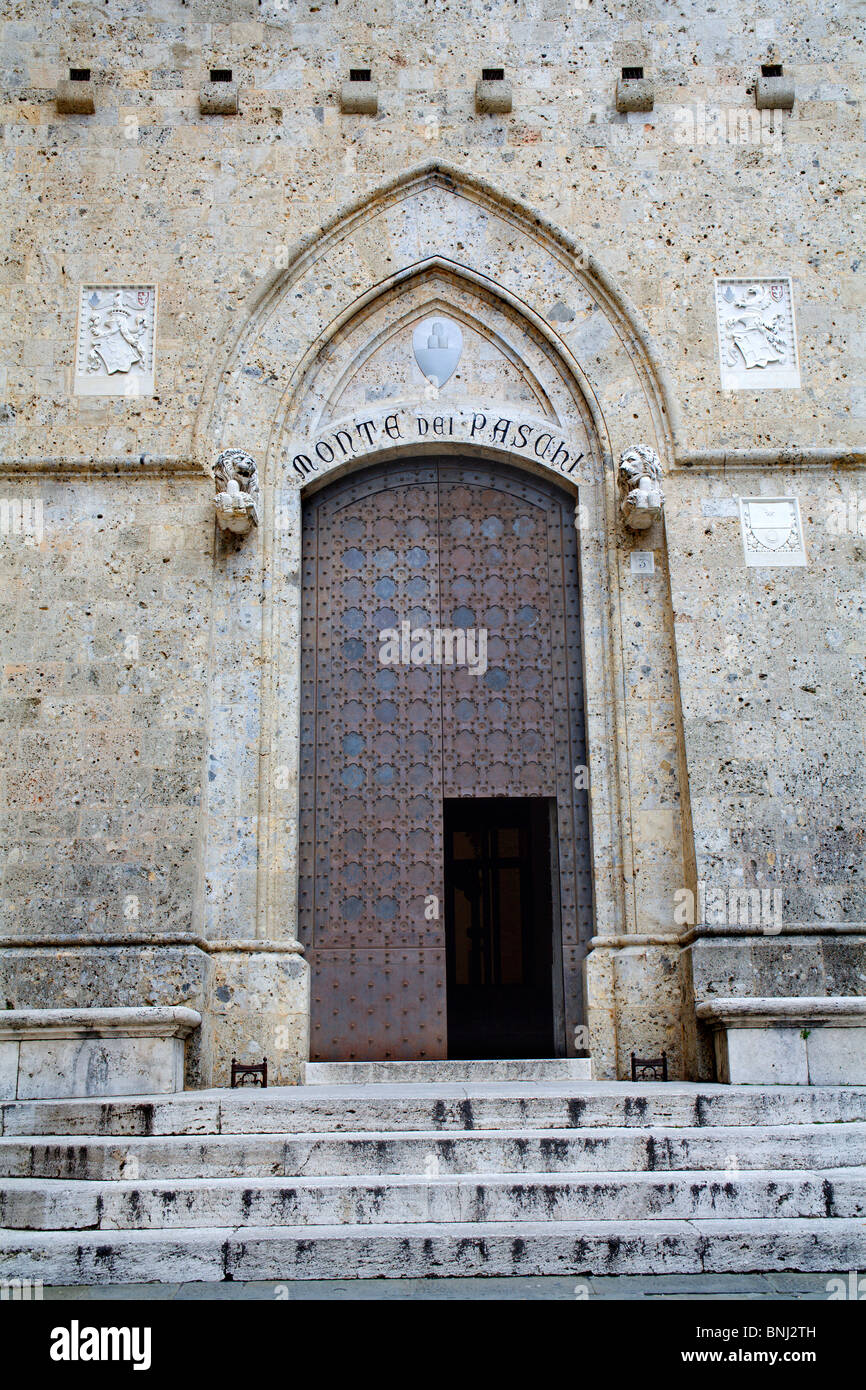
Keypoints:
pixel 56 1054
pixel 785 455
pixel 800 1041
pixel 107 465
pixel 135 1022
pixel 799 1011
pixel 84 942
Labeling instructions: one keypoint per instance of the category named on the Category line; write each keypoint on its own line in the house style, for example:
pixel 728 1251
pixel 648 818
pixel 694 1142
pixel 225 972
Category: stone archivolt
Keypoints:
pixel 438 218
pixel 547 341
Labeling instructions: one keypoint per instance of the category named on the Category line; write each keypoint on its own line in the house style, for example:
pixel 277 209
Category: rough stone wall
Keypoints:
pixel 773 673
pixel 130 780
pixel 772 667
pixel 106 635
pixel 205 205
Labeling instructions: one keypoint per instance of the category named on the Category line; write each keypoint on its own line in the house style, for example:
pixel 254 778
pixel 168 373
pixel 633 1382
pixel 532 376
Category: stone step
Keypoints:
pixel 528 1072
pixel 472 1106
pixel 41 1204
pixel 365 1153
pixel 428 1248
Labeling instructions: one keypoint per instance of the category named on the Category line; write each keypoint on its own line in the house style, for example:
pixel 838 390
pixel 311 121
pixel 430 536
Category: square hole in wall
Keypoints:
pixel 220 74
pixel 493 74
pixel 632 74
pixel 360 74
pixel 771 69
pixel 79 74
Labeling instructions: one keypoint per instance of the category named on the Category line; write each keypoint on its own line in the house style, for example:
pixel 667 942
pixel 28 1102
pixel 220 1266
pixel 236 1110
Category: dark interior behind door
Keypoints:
pixel 498 927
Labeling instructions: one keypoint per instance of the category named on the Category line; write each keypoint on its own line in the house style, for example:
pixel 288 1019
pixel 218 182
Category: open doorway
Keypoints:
pixel 499 927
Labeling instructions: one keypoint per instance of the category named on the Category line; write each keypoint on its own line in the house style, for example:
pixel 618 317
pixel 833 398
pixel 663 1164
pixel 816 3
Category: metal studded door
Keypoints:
pixel 371 772
pixel 509 567
pixel 456 546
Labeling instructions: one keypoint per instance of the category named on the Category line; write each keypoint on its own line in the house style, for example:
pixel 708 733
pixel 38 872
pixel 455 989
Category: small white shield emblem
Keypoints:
pixel 772 531
pixel 438 344
pixel 773 524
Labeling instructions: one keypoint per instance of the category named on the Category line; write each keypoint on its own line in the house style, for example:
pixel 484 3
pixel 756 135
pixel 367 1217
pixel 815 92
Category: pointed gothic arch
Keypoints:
pixel 553 322
pixel 429 215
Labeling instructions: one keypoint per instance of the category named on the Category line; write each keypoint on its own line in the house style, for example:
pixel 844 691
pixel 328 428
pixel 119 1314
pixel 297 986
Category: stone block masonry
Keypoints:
pixel 59 1053
pixel 151 663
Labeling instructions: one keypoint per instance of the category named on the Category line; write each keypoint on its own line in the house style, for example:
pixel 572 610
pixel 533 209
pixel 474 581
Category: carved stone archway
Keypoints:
pixel 319 380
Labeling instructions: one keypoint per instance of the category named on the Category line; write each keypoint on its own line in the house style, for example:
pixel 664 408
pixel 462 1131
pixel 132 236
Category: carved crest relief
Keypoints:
pixel 757 336
pixel 772 531
pixel 438 345
pixel 116 340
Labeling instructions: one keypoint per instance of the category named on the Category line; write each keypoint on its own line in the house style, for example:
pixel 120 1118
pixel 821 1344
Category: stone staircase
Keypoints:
pixel 388 1170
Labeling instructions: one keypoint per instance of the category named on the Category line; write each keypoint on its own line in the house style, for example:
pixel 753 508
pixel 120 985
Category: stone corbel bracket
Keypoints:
pixel 634 94
pixel 237 496
pixel 640 483
pixel 493 96
pixel 359 97
pixel 220 98
pixel 774 93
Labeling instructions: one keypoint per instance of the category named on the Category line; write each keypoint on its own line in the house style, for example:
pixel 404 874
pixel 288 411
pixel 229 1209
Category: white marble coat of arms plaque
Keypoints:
pixel 757 334
pixel 115 347
pixel 438 344
pixel 772 531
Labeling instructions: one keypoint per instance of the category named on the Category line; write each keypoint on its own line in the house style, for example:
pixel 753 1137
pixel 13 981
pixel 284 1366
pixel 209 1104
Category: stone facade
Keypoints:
pixel 151 660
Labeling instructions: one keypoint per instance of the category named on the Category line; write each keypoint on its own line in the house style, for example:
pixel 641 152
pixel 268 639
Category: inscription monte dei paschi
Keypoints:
pixel 354 437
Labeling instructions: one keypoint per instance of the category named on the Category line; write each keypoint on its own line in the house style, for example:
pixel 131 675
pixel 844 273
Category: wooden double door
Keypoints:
pixel 445 890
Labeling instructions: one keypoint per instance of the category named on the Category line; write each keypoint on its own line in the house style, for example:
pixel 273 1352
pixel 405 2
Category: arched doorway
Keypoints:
pixel 445 886
pixel 321 367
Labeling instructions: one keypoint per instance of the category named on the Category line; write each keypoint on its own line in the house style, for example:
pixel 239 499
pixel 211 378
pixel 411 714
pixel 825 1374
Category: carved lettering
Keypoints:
pixel 541 453
pixel 358 436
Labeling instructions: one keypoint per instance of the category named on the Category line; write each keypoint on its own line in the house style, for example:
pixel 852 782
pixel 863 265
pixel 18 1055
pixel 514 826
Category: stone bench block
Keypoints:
pixel 790 1041
pixel 52 1054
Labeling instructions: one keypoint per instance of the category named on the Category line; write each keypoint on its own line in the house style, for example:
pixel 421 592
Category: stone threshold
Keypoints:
pixel 773 1287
